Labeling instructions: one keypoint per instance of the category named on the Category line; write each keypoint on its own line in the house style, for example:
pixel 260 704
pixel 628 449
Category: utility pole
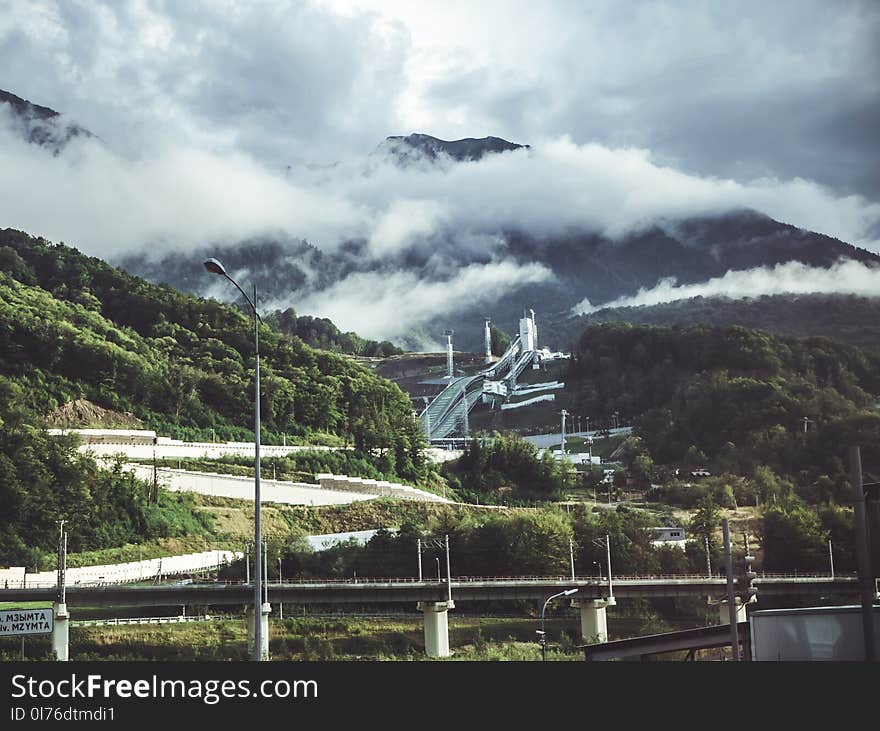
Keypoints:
pixel 154 497
pixel 608 550
pixel 265 571
pixel 708 557
pixel 62 562
pixel 280 603
pixel 419 549
pixel 464 406
pixel 731 602
pixel 571 554
pixel 247 563
pixel 864 558
pixel 448 573
pixel 831 559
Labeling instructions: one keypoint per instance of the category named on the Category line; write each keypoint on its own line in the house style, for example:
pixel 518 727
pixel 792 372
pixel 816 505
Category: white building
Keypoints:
pixel 667 536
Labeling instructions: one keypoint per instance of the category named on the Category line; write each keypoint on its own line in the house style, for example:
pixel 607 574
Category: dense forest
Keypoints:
pixel 74 327
pixel 732 397
pixel 847 318
pixel 320 332
pixel 506 469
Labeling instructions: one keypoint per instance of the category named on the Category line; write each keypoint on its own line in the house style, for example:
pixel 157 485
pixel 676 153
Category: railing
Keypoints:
pixel 593 579
pixel 409 580
pixel 121 621
pixel 27 583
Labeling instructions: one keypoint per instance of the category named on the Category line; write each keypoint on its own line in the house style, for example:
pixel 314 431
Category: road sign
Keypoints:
pixel 26 621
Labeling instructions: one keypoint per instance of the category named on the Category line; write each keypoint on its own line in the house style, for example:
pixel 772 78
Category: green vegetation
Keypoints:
pixel 735 396
pixel 845 318
pixel 73 327
pixel 320 332
pixel 44 479
pixel 512 542
pixel 506 469
pixel 302 466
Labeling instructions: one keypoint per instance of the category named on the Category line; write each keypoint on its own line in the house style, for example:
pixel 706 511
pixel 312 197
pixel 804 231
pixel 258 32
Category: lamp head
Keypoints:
pixel 215 267
pixel 569 592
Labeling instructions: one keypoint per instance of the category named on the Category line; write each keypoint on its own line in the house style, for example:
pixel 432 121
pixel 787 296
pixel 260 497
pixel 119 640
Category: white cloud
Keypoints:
pixel 383 305
pixel 844 277
pixel 181 197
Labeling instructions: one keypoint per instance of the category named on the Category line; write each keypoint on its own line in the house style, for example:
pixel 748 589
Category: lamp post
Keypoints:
pixel 438 569
pixel 215 267
pixel 542 633
pixel 280 603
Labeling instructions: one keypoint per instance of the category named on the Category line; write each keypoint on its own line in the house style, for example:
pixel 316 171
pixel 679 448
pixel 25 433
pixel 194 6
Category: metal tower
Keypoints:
pixel 488 338
pixel 449 371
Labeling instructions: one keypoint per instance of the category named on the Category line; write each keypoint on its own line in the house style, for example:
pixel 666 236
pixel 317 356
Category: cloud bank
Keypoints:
pixel 186 197
pixel 845 277
pixel 382 306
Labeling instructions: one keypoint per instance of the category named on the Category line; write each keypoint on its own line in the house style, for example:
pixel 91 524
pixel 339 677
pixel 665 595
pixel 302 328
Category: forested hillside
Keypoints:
pixel 847 318
pixel 733 397
pixel 44 479
pixel 72 327
pixel 320 332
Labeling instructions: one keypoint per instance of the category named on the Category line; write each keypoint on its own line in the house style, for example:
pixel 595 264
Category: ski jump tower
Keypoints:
pixel 450 374
pixel 488 338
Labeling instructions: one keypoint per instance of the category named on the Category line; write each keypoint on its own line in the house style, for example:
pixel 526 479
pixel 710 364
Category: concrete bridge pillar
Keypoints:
pixel 436 627
pixel 265 609
pixel 724 612
pixel 61 632
pixel 594 623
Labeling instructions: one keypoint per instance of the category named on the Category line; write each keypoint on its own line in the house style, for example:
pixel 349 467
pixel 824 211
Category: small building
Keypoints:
pixel 669 536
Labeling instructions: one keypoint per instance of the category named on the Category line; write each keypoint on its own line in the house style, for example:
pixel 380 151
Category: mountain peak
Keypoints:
pixel 466 149
pixel 41 125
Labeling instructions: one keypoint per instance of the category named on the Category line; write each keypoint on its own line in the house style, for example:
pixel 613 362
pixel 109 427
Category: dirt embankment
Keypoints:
pixel 83 414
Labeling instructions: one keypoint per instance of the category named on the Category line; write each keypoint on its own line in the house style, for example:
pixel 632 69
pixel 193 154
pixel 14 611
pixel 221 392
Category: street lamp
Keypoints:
pixel 542 634
pixel 438 568
pixel 215 267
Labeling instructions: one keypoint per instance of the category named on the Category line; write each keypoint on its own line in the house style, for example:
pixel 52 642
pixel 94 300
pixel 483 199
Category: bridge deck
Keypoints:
pixel 401 590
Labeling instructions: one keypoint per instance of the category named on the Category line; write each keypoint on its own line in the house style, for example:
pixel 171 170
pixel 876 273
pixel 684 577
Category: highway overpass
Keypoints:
pixel 433 598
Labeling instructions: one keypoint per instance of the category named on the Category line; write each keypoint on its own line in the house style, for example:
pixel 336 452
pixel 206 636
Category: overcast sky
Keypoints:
pixel 737 90
pixel 221 120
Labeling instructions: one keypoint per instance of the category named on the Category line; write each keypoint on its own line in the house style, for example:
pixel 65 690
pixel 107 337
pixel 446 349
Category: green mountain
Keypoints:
pixel 74 327
pixel 846 318
pixel 734 398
